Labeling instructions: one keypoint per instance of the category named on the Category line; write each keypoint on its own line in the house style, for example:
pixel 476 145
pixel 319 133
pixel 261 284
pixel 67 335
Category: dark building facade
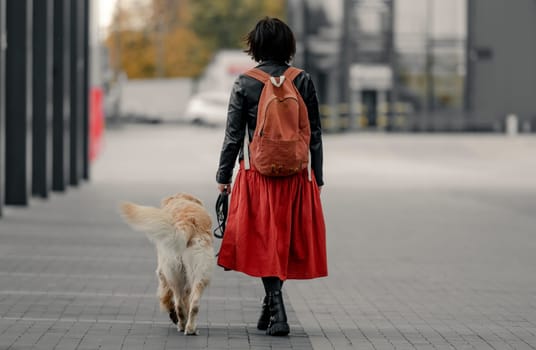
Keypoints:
pixel 43 101
pixel 426 65
pixel 501 62
pixel 350 59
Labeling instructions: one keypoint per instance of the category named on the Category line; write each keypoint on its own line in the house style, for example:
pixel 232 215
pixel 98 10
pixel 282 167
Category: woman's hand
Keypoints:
pixel 224 188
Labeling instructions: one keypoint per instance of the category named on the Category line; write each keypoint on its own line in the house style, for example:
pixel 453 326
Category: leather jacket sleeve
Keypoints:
pixel 308 92
pixel 242 112
pixel 234 134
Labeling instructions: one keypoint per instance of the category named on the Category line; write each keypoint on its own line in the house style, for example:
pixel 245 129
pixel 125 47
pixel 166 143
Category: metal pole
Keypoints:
pixel 468 81
pixel 393 101
pixel 87 14
pixel 429 59
pixel 306 59
pixel 344 61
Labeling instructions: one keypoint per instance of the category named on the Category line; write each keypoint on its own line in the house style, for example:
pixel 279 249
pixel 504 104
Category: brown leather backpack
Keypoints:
pixel 280 145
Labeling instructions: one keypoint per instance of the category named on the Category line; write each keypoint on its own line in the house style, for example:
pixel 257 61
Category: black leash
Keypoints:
pixel 222 207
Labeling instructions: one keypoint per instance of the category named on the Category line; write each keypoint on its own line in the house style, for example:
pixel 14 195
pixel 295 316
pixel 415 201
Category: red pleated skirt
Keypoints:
pixel 275 227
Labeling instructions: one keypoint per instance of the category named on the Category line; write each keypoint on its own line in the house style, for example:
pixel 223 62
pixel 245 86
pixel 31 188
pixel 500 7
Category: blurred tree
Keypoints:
pixel 186 55
pixel 130 45
pixel 137 53
pixel 224 23
pixel 177 38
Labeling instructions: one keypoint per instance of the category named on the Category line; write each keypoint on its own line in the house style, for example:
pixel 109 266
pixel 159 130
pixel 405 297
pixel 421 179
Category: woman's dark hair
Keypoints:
pixel 271 39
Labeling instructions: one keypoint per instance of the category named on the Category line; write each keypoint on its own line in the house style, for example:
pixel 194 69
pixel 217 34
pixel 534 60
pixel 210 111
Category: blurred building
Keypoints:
pixel 348 48
pixel 425 65
pixel 501 74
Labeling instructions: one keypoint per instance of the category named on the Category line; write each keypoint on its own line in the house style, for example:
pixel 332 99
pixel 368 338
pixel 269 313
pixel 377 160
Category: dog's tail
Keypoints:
pixel 155 222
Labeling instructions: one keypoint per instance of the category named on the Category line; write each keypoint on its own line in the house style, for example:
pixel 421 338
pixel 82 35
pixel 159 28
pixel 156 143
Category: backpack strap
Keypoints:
pixel 263 77
pixel 292 72
pixel 258 74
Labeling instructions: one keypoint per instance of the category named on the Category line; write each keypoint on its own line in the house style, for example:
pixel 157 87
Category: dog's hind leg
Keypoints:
pixel 178 311
pixel 181 312
pixel 183 306
pixel 177 286
pixel 165 294
pixel 197 290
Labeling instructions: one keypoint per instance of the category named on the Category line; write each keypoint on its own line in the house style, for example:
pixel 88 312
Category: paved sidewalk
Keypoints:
pixel 431 246
pixel 72 276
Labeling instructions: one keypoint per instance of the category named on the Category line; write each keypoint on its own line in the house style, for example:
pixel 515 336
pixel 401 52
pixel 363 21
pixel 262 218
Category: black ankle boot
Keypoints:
pixel 264 320
pixel 278 325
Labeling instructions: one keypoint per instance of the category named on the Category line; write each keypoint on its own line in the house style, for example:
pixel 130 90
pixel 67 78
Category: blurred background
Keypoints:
pixel 396 65
pixel 429 113
pixel 73 68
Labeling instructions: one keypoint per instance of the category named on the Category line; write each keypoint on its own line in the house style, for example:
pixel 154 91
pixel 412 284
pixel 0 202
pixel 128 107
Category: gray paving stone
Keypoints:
pixel 430 245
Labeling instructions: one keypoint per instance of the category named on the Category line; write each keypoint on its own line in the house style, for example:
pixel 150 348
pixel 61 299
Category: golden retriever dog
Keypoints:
pixel 181 230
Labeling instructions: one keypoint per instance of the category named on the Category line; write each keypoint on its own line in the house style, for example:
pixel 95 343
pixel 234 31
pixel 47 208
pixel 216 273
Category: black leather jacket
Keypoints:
pixel 243 109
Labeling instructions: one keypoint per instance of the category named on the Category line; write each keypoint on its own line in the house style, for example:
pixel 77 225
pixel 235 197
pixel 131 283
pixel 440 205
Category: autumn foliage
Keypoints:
pixel 177 38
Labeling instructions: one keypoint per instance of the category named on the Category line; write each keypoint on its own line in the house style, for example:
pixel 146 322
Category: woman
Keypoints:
pixel 275 228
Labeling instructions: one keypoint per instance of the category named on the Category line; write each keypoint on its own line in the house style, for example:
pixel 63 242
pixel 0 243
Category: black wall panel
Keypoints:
pixel 42 97
pixel 77 80
pixel 19 101
pixel 86 87
pixel 3 43
pixel 61 95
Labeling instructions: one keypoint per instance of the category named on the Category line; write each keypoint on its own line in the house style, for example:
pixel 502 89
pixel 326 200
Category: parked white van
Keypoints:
pixel 209 104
